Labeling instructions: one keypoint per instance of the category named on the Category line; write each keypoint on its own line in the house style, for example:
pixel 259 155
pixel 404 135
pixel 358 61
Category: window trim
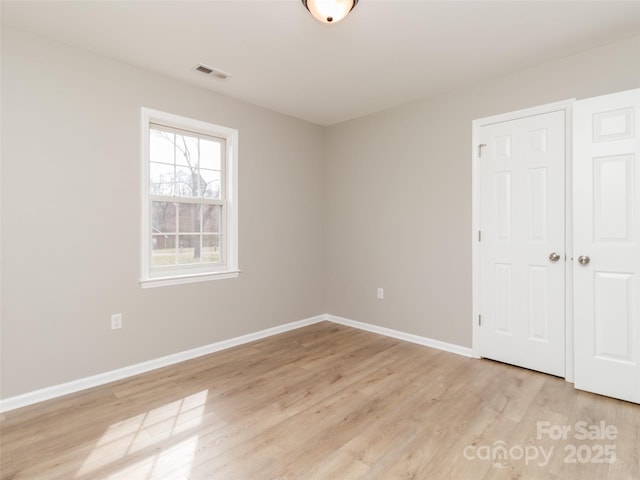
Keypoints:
pixel 199 273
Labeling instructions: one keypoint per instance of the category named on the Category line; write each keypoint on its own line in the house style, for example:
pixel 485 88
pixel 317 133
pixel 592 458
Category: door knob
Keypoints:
pixel 583 259
pixel 554 257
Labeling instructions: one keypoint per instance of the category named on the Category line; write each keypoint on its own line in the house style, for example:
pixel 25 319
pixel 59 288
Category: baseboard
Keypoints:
pixel 55 391
pixel 74 386
pixel 407 337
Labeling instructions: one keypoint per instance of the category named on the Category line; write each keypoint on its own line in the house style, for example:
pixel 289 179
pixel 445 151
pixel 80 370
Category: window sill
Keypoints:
pixel 183 279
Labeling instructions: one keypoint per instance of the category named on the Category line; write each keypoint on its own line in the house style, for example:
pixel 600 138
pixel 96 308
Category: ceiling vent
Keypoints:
pixel 212 71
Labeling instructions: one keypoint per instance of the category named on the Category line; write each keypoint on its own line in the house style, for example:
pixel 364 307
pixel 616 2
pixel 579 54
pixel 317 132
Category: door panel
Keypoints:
pixel 503 312
pixel 613 321
pixel 538 304
pixel 538 200
pixel 613 197
pixel 522 221
pixel 607 230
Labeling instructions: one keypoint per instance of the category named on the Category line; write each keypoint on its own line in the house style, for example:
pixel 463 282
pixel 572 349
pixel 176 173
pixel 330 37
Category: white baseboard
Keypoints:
pixel 407 337
pixel 55 391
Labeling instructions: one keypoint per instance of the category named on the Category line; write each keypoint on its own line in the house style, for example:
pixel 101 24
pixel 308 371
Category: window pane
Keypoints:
pixel 189 249
pixel 161 178
pixel 211 248
pixel 161 146
pixel 211 218
pixel 210 154
pixel 163 251
pixel 210 180
pixel 187 151
pixel 163 217
pixel 189 217
pixel 187 184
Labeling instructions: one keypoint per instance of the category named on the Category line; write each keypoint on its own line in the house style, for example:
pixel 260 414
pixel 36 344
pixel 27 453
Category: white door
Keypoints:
pixel 607 236
pixel 522 245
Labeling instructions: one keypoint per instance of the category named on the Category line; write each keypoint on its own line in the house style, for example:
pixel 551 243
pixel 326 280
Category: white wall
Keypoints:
pixel 71 219
pixel 398 187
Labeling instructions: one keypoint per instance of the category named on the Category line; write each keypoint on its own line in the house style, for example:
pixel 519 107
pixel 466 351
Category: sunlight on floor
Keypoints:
pixel 169 462
pixel 149 444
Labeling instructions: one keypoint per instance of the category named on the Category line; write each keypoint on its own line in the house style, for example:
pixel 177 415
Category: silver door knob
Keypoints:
pixel 583 259
pixel 554 257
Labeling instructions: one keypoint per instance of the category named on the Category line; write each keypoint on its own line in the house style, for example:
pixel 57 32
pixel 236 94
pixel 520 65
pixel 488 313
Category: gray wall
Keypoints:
pixel 326 215
pixel 71 219
pixel 398 187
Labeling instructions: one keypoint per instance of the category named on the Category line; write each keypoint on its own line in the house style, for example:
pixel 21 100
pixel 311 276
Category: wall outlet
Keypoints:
pixel 116 321
pixel 380 293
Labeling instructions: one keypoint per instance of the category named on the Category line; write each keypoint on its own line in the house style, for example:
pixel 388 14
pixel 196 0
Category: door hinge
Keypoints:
pixel 480 320
pixel 480 149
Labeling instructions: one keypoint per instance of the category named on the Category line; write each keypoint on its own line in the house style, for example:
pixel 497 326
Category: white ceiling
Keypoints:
pixel 384 54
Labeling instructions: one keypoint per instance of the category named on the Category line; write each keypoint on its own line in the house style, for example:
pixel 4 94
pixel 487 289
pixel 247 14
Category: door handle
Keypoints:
pixel 583 259
pixel 554 257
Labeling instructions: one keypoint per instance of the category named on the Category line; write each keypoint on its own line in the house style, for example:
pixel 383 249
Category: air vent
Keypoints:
pixel 212 71
pixel 203 69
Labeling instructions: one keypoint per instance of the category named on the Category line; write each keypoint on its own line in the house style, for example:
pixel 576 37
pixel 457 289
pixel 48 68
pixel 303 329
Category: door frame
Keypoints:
pixel 567 107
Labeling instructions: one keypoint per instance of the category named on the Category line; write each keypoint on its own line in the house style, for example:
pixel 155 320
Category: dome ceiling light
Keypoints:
pixel 329 11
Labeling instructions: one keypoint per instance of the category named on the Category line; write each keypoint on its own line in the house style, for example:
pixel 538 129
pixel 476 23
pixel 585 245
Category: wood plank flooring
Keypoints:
pixel 323 402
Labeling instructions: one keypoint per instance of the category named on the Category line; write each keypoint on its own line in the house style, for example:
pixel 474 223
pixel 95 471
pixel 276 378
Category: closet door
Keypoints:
pixel 522 258
pixel 606 265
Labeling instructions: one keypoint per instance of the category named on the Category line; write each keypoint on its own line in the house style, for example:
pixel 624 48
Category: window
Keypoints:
pixel 189 207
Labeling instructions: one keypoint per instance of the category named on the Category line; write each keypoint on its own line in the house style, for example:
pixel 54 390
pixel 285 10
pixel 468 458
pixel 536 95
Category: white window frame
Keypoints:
pixel 228 268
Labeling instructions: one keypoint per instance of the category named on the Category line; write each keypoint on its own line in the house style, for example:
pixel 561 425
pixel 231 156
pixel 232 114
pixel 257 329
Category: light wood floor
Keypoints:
pixel 322 402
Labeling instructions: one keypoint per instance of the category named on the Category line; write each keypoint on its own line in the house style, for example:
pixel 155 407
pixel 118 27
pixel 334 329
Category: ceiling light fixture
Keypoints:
pixel 329 11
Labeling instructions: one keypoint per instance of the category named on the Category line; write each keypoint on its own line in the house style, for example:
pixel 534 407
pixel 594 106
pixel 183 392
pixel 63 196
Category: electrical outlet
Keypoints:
pixel 380 293
pixel 116 321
